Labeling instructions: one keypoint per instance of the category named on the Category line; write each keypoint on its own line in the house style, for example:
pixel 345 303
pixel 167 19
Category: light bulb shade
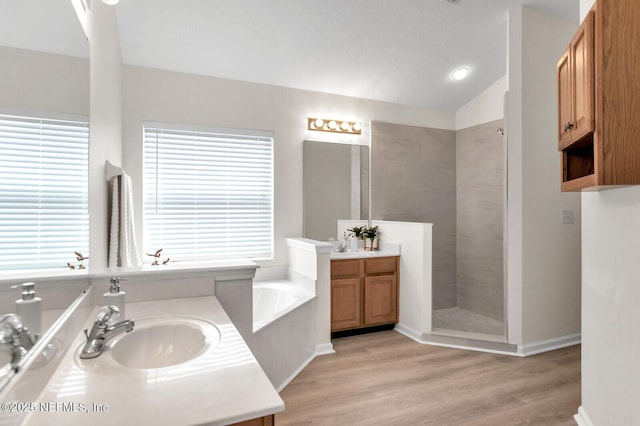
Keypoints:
pixel 110 2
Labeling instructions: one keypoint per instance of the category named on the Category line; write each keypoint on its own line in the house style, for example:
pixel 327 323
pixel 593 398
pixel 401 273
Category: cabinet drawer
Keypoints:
pixel 345 268
pixel 381 265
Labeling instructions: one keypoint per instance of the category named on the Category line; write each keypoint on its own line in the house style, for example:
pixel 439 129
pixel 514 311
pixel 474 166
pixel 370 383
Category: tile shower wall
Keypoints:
pixel 413 179
pixel 480 202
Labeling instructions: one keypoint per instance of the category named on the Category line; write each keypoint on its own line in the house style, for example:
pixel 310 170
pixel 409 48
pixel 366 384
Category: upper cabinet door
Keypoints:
pixel 576 87
pixel 565 100
pixel 582 58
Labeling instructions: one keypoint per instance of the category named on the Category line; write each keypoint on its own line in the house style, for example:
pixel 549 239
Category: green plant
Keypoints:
pixel 357 232
pixel 371 233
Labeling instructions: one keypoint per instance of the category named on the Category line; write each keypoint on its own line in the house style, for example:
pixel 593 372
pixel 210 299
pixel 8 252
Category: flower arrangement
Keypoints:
pixel 357 232
pixel 372 234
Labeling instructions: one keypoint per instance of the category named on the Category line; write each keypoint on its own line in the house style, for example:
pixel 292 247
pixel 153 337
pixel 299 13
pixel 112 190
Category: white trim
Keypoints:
pixel 549 345
pixel 207 129
pixel 409 332
pixel 324 349
pixel 295 373
pixel 424 340
pixel 321 349
pixel 582 418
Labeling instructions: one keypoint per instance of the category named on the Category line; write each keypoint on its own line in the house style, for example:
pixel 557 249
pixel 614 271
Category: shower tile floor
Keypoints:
pixel 463 320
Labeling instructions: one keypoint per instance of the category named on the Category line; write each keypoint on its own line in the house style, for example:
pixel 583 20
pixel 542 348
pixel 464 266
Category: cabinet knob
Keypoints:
pixel 568 126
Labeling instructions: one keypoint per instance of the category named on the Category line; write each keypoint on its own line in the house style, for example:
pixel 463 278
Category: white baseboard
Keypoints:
pixel 321 349
pixel 409 332
pixel 295 373
pixel 324 349
pixel 549 345
pixel 582 418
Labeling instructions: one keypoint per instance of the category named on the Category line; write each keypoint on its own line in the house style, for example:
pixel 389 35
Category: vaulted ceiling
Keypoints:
pixel 399 51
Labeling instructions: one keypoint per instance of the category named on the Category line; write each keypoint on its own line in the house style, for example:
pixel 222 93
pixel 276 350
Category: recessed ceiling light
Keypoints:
pixel 460 73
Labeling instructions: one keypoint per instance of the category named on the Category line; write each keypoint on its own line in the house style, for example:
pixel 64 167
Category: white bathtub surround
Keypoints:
pixel 311 258
pixel 222 385
pixel 286 333
pixel 274 299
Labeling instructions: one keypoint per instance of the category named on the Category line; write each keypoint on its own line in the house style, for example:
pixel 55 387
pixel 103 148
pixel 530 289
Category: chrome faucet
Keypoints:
pixel 15 338
pixel 104 329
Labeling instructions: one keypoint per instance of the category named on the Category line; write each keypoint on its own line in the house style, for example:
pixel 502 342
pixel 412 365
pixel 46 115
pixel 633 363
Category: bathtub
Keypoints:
pixel 274 299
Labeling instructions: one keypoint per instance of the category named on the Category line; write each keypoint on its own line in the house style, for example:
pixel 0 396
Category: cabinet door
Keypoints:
pixel 582 57
pixel 565 102
pixel 380 300
pixel 345 303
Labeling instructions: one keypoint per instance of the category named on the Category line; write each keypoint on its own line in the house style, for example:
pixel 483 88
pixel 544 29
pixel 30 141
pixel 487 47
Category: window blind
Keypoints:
pixel 44 185
pixel 208 194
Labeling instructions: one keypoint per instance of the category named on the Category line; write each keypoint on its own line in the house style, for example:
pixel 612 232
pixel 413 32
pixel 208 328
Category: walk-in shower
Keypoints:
pixel 457 181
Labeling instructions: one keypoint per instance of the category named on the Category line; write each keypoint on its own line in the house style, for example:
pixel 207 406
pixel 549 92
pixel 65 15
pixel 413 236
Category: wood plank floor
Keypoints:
pixel 387 379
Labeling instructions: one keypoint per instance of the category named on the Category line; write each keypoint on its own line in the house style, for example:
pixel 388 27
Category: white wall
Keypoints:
pixel 165 96
pixel 105 123
pixel 543 254
pixel 43 82
pixel 610 294
pixel 585 6
pixel 487 106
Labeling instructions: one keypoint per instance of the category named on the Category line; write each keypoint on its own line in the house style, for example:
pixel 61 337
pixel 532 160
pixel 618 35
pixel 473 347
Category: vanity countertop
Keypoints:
pixel 223 385
pixel 359 254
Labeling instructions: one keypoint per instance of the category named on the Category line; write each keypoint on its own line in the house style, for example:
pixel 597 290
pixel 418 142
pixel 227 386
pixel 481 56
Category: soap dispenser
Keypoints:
pixel 30 308
pixel 115 296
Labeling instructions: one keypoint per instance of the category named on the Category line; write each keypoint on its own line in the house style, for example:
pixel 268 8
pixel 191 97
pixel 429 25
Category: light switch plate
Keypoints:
pixel 567 216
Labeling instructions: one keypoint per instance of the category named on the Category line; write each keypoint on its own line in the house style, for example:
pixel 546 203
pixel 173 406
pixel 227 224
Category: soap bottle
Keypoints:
pixel 30 308
pixel 115 296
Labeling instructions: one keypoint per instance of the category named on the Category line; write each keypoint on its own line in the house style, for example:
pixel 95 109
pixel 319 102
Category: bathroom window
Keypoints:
pixel 44 185
pixel 208 193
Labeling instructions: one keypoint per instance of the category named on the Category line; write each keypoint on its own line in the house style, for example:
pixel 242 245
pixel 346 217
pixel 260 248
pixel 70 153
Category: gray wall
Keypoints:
pixel 413 179
pixel 480 204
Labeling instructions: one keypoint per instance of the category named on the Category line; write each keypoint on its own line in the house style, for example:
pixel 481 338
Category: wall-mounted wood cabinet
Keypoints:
pixel 364 292
pixel 599 100
pixel 576 87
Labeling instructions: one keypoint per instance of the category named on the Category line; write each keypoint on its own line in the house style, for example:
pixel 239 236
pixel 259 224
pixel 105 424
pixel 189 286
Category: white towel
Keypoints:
pixel 123 249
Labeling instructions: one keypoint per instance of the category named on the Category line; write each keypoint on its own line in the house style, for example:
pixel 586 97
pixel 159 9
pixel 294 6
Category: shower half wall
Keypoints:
pixel 455 180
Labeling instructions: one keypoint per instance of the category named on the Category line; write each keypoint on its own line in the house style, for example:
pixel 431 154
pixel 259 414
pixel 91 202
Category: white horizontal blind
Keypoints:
pixel 208 194
pixel 44 185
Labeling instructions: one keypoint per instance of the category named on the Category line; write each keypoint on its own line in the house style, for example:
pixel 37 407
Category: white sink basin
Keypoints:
pixel 159 342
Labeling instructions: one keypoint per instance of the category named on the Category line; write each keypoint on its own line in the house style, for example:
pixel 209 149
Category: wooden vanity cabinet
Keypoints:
pixel 599 100
pixel 260 421
pixel 364 292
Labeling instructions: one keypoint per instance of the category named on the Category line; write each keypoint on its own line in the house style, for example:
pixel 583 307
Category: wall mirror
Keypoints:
pixel 336 186
pixel 45 70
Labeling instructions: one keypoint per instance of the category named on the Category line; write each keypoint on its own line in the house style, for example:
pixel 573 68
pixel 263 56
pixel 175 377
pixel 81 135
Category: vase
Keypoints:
pixel 372 245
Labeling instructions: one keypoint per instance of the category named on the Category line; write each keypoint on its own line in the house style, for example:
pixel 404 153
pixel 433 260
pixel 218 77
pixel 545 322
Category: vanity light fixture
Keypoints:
pixel 336 126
